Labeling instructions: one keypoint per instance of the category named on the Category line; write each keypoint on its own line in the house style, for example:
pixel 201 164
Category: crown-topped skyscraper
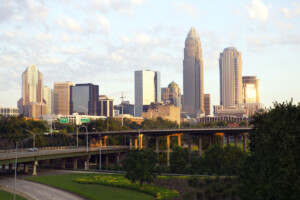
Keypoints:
pixel 193 86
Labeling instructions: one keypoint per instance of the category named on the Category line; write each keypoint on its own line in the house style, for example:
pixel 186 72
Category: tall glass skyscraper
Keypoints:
pixel 147 89
pixel 193 87
pixel 230 64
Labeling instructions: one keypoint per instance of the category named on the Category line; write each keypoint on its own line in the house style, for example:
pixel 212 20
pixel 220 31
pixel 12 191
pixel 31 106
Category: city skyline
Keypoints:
pixel 110 52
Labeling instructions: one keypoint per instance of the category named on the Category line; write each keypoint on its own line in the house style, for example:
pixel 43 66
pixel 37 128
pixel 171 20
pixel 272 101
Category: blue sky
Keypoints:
pixel 104 42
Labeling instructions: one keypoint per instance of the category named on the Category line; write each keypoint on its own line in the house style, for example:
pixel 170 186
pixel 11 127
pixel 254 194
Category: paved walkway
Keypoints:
pixel 38 191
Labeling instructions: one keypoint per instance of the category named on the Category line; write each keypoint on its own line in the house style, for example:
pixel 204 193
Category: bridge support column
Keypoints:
pixel 34 164
pixel 227 140
pixel 130 142
pixel 63 163
pixel 156 144
pixel 118 158
pixel 10 167
pixel 146 141
pixel 75 160
pixel 18 167
pixel 235 140
pixel 105 141
pixel 51 162
pixel 140 141
pixel 26 168
pixel 135 143
pixel 244 142
pixel 87 162
pixel 3 167
pixel 168 150
pixel 200 145
pixel 179 140
pixel 106 160
pixel 189 148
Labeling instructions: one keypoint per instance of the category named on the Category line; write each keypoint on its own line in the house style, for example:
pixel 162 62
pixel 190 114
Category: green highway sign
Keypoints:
pixel 85 120
pixel 64 120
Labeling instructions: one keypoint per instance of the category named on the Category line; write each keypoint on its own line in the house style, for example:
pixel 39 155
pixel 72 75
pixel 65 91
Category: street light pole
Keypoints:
pixel 100 144
pixel 16 160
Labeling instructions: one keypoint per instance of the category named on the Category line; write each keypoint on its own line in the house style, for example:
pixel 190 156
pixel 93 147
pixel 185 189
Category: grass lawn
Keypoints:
pixel 6 196
pixel 89 191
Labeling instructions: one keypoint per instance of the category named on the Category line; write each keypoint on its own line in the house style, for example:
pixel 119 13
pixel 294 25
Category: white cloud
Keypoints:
pixel 257 10
pixel 103 22
pixel 291 13
pixel 186 8
pixel 138 2
pixel 69 24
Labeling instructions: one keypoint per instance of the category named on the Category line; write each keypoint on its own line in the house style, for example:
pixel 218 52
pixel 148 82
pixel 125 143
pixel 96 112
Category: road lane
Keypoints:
pixel 38 191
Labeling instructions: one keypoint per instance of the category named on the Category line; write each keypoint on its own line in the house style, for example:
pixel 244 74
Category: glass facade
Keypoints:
pixel 147 89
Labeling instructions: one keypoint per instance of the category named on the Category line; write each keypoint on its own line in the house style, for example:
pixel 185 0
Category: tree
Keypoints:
pixel 178 160
pixel 272 170
pixel 141 165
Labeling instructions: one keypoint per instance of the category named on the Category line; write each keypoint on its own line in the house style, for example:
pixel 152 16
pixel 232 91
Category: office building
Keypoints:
pixel 230 64
pixel 193 84
pixel 232 111
pixel 251 90
pixel 9 112
pixel 166 112
pixel 106 106
pixel 32 103
pixel 171 94
pixel 62 98
pixel 207 104
pixel 48 99
pixel 127 108
pixel 84 99
pixel 147 89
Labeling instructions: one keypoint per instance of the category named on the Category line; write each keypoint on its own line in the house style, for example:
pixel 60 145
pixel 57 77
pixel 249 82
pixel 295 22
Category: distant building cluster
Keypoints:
pixel 239 95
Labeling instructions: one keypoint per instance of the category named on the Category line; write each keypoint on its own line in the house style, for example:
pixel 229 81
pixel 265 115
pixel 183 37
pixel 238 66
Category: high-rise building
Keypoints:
pixel 207 104
pixel 171 94
pixel 106 106
pixel 47 98
pixel 84 99
pixel 62 95
pixel 230 64
pixel 127 108
pixel 251 91
pixel 32 93
pixel 147 89
pixel 193 86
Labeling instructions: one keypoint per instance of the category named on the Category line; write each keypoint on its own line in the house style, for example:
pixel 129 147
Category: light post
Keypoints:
pixel 16 162
pixel 100 144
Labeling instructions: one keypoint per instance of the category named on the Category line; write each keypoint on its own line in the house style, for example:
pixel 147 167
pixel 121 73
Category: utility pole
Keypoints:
pixel 122 97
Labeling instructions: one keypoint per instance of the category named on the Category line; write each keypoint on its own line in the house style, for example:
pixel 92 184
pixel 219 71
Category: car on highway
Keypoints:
pixel 33 149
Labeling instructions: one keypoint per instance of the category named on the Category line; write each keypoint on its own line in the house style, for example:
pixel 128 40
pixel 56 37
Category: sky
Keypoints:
pixel 103 42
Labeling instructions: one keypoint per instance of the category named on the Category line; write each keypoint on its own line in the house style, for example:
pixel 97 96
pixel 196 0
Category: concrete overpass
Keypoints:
pixel 49 154
pixel 138 137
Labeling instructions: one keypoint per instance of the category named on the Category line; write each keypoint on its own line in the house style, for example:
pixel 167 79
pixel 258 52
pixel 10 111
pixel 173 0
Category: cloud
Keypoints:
pixel 257 10
pixel 186 8
pixel 291 13
pixel 27 10
pixel 69 24
pixel 103 22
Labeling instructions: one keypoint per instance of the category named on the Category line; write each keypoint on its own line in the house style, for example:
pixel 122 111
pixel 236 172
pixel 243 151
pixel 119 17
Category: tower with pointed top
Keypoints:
pixel 193 86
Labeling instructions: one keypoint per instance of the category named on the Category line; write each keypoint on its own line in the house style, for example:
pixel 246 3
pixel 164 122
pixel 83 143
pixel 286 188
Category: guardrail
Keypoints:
pixel 57 151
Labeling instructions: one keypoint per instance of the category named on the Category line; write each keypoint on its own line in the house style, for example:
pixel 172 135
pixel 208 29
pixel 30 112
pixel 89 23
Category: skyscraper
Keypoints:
pixel 62 95
pixel 106 106
pixel 193 75
pixel 251 91
pixel 84 99
pixel 171 94
pixel 32 103
pixel 207 104
pixel 147 89
pixel 47 97
pixel 230 64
